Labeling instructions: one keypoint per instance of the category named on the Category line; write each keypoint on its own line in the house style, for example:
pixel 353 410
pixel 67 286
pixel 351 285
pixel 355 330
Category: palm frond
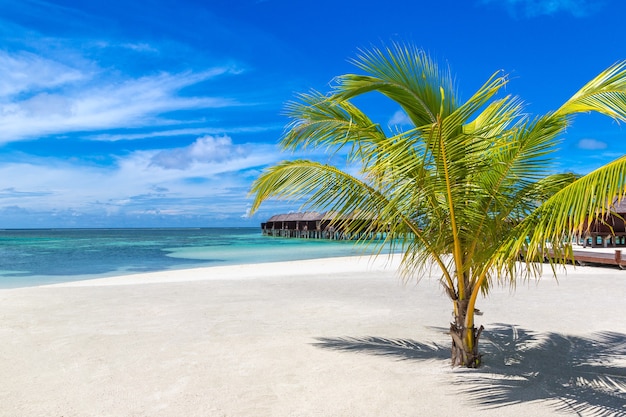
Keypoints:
pixel 318 121
pixel 407 76
pixel 549 228
pixel 605 94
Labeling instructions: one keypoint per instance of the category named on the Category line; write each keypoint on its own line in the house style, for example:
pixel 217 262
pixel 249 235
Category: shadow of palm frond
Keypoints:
pixel 577 375
pixel 399 348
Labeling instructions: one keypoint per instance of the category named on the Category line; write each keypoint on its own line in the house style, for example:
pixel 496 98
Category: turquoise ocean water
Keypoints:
pixel 45 256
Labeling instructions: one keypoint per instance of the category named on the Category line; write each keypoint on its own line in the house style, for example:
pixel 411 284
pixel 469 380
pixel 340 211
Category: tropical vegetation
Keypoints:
pixel 469 188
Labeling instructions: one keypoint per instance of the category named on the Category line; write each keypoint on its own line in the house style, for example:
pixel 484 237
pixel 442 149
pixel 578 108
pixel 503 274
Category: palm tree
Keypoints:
pixel 469 187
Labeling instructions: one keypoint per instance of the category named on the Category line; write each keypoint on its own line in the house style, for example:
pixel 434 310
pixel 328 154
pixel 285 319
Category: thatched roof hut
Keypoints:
pixel 315 224
pixel 305 221
pixel 609 230
pixel 296 217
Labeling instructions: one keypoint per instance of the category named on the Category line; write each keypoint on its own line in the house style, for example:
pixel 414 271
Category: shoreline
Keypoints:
pixel 324 337
pixel 35 280
pixel 340 264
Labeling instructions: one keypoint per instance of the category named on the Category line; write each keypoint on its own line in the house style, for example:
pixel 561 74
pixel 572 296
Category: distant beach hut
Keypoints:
pixel 328 225
pixel 293 224
pixel 606 231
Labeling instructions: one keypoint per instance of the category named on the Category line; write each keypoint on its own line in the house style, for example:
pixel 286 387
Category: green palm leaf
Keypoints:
pixel 604 94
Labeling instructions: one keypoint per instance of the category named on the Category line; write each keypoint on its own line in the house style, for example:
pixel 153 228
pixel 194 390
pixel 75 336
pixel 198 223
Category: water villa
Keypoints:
pixel 608 231
pixel 326 225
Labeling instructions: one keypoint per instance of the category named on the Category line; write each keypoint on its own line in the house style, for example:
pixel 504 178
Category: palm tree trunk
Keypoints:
pixel 464 340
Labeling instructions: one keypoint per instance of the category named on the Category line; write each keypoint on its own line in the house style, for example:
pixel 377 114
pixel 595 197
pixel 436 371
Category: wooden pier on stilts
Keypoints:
pixel 314 225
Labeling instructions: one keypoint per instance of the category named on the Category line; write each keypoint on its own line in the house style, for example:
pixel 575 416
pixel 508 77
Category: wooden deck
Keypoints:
pixel 614 258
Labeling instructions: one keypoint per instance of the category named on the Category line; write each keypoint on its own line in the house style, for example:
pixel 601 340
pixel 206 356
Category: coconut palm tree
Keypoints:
pixel 468 188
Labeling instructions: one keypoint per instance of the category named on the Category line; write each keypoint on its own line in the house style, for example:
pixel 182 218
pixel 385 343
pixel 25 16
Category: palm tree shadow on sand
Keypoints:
pixel 576 375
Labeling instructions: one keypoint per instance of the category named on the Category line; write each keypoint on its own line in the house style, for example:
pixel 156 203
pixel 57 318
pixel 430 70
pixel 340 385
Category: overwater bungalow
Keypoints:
pixel 326 225
pixel 608 231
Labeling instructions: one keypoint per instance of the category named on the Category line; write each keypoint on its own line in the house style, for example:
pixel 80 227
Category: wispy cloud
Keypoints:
pixel 12 193
pixel 98 105
pixel 591 144
pixel 535 8
pixel 25 72
pixel 140 47
pixel 102 87
pixel 399 118
pixel 200 131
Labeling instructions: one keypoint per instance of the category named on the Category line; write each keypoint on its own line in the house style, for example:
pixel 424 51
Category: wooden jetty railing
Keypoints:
pixel 330 233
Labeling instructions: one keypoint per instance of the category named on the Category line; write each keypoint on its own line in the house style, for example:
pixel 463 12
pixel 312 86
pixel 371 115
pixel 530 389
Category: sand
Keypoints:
pixel 328 337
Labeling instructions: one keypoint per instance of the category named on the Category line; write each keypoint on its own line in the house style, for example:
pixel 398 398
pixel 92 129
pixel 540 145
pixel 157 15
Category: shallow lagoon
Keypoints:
pixel 44 256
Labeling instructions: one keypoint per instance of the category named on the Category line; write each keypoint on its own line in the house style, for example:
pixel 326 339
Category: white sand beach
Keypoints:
pixel 328 337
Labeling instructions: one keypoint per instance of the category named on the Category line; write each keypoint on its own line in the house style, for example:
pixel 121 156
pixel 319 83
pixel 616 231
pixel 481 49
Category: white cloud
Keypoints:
pixel 60 92
pixel 140 47
pixel 534 8
pixel 26 72
pixel 591 144
pixel 207 149
pixel 134 103
pixel 202 162
pixel 40 97
pixel 399 118
pixel 208 179
pixel 105 137
pixel 213 176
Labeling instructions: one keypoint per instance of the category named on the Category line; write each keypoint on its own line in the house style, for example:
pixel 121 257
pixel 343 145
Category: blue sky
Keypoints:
pixel 159 113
